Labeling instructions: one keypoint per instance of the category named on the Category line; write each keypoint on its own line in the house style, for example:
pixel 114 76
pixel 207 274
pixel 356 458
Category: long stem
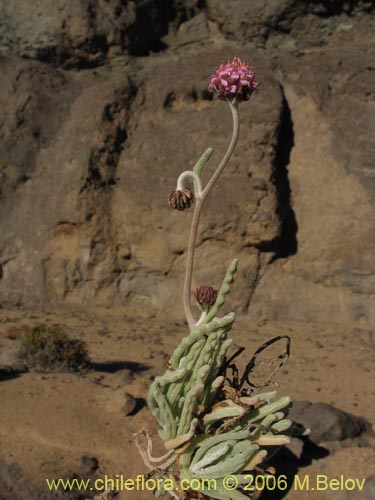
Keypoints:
pixel 197 212
pixel 233 105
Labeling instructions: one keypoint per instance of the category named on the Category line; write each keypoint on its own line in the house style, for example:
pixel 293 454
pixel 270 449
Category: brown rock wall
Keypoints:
pixel 89 155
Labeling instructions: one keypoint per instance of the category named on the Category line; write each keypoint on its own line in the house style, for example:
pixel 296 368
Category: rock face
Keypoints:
pixel 92 140
pixel 82 33
pixel 331 181
pixel 289 24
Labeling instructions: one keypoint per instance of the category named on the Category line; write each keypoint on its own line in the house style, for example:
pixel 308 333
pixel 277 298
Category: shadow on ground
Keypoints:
pixel 288 465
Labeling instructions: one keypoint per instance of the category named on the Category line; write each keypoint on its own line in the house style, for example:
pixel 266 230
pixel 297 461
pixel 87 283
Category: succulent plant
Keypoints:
pixel 215 424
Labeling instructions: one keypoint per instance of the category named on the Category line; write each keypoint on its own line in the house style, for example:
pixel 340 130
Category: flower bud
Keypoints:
pixel 205 295
pixel 180 199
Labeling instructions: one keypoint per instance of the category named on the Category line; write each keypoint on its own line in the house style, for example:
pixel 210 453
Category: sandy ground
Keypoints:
pixel 49 421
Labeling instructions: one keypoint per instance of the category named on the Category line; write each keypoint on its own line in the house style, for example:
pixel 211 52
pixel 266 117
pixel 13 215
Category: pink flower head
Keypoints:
pixel 234 80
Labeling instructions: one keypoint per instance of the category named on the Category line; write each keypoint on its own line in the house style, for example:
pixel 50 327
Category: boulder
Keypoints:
pixel 327 423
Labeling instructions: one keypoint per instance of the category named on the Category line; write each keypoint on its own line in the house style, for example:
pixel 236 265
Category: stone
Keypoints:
pixel 327 423
pixel 129 405
pixel 120 402
pixel 88 465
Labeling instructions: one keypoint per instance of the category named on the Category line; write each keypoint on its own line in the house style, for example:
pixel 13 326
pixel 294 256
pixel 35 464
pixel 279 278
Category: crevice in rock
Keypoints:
pixel 182 11
pixel 287 243
pixel 101 259
pixel 104 159
pixel 187 98
pixel 152 24
pixel 254 284
pixel 207 95
pixel 169 98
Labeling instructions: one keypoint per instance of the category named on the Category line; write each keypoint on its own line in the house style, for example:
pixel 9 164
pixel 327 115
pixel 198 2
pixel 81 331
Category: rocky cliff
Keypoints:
pixel 104 102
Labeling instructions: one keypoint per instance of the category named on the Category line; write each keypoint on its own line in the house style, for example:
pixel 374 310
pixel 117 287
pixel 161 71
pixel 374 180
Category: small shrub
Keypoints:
pixel 49 349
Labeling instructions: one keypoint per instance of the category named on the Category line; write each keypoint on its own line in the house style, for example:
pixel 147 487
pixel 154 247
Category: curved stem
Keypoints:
pixel 195 177
pixel 197 212
pixel 233 105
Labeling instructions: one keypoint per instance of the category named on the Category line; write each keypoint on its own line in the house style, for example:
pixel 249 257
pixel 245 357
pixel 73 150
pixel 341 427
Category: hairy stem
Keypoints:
pixel 197 212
